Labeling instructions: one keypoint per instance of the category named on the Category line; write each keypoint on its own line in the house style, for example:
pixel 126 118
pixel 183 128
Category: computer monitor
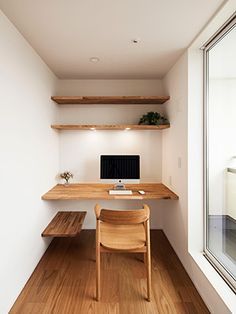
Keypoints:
pixel 125 167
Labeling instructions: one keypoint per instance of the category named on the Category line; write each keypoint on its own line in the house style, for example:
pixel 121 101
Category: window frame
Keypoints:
pixel 217 37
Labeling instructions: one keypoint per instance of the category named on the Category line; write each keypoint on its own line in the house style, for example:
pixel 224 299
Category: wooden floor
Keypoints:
pixel 64 281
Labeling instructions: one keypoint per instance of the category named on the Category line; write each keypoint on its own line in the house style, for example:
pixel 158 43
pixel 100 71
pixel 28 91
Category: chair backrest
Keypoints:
pixel 123 217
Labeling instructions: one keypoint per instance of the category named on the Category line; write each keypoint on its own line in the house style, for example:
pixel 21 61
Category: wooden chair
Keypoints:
pixel 125 231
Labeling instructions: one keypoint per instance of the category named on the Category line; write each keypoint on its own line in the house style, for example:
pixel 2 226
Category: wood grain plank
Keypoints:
pixel 81 127
pixel 65 224
pixel 127 100
pixel 77 191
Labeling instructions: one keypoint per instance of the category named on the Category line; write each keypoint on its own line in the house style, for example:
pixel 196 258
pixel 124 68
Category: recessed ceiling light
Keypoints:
pixel 92 129
pixel 136 40
pixel 94 59
pixel 127 129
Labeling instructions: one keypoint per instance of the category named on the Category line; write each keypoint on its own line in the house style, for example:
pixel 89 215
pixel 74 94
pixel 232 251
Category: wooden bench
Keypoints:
pixel 65 224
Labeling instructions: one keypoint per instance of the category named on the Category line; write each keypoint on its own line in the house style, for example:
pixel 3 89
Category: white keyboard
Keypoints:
pixel 120 192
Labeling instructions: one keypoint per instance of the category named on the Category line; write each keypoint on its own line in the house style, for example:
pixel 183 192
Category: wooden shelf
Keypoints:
pixel 65 224
pixel 108 100
pixel 108 127
pixel 89 191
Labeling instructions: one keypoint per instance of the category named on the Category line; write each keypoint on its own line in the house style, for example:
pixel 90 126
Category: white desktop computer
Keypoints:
pixel 119 170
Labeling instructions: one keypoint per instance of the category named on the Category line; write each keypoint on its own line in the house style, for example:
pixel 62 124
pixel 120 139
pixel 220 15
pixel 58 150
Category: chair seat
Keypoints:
pixel 122 237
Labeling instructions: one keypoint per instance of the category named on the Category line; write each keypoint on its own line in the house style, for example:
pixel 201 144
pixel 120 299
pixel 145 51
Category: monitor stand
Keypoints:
pixel 119 186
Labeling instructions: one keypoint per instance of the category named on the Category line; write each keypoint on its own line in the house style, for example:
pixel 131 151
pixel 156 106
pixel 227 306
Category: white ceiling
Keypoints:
pixel 67 33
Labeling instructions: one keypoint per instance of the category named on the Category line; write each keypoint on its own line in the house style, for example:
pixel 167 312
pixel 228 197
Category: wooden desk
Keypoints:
pixel 74 191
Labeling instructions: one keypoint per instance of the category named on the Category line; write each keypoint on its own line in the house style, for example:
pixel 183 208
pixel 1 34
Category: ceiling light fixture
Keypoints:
pixel 136 40
pixel 92 129
pixel 94 59
pixel 127 129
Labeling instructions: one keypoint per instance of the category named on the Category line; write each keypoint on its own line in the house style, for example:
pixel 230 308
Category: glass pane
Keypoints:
pixel 221 189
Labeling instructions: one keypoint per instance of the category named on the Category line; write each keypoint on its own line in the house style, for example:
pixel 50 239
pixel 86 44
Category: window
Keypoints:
pixel 220 151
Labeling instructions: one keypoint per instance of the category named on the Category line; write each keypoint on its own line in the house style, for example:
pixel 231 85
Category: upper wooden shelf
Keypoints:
pixel 108 100
pixel 109 127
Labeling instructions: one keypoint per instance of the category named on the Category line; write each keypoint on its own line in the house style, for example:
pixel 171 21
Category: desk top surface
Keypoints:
pixel 77 191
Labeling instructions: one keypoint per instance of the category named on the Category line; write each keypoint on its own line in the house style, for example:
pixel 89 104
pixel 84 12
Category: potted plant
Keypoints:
pixel 66 176
pixel 153 118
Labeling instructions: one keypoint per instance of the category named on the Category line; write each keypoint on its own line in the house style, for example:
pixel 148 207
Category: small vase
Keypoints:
pixel 66 183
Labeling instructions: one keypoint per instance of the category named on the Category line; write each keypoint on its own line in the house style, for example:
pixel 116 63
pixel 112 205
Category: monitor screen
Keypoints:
pixel 120 167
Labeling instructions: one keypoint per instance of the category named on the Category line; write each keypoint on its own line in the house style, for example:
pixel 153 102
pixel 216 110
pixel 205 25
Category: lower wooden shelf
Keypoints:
pixel 94 127
pixel 65 224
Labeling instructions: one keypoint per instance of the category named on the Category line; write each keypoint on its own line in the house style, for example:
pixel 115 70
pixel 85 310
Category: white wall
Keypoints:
pixel 28 159
pixel 109 87
pixel 174 155
pixel 80 150
pixel 184 226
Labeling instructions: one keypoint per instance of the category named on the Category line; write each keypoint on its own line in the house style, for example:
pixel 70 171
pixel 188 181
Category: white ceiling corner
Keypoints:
pixel 66 34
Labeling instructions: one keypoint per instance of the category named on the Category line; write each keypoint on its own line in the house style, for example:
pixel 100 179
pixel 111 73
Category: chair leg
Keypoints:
pixel 98 275
pixel 148 267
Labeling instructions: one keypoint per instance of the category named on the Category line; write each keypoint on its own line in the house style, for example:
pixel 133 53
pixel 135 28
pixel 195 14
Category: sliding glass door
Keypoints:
pixel 220 151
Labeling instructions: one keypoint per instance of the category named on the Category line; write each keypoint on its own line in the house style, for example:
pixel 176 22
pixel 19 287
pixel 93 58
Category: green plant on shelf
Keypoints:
pixel 153 118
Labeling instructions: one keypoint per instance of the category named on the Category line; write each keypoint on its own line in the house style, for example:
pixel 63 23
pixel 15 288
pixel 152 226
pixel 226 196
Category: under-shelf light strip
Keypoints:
pixel 125 129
